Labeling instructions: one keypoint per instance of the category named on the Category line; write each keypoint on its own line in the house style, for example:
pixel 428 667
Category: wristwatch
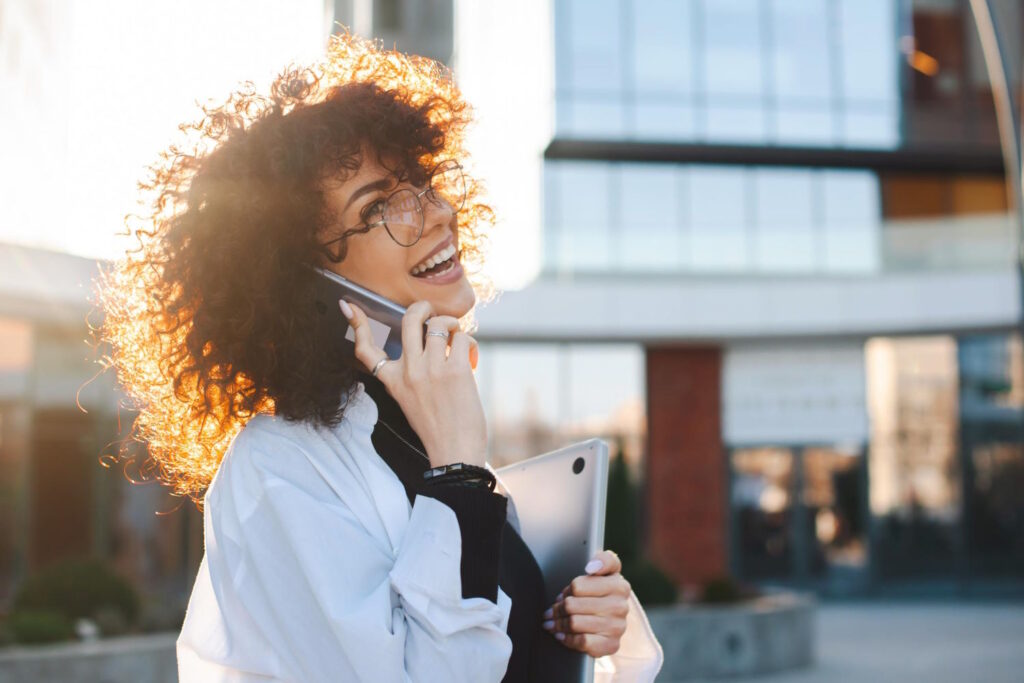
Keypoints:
pixel 462 474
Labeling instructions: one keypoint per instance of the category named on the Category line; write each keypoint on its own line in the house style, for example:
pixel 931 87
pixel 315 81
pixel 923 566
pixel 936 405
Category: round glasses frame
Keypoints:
pixel 448 165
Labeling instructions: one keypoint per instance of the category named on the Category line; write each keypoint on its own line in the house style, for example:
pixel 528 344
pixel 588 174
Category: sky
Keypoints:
pixel 99 89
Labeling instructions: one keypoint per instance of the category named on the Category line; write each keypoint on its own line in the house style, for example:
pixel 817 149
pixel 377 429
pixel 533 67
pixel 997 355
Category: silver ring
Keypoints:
pixel 438 333
pixel 377 367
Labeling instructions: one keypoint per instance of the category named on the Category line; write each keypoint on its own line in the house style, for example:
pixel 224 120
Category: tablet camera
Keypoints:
pixel 577 465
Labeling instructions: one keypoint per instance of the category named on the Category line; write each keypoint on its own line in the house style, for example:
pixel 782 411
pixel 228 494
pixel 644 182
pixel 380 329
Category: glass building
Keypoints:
pixel 778 267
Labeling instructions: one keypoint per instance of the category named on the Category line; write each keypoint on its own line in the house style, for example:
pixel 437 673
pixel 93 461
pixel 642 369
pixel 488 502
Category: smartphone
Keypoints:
pixel 385 315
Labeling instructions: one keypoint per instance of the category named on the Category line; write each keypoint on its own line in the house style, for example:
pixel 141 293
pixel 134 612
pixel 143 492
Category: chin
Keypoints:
pixel 456 303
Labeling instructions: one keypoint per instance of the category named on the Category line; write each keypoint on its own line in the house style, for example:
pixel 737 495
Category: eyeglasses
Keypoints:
pixel 401 213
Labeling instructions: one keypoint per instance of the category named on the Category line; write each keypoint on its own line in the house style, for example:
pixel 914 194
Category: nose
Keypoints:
pixel 437 212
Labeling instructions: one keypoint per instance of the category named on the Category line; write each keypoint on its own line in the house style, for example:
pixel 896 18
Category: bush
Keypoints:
pixel 651 585
pixel 38 626
pixel 77 589
pixel 622 535
pixel 725 590
pixel 6 636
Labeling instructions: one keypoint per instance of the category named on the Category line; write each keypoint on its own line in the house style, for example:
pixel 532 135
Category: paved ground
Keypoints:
pixel 937 643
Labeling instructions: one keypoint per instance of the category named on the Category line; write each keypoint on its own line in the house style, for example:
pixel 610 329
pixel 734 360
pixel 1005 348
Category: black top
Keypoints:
pixel 485 563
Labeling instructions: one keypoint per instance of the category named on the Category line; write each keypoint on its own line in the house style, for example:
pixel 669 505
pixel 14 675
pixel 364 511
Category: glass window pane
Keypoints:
pixel 873 129
pixel 520 388
pixel 595 39
pixel 796 125
pixel 732 49
pixel 606 397
pixel 762 497
pixel 592 118
pixel 656 120
pixel 869 51
pixel 649 206
pixel 833 494
pixel 583 221
pixel 663 49
pixel 852 217
pixel 555 252
pixel 786 237
pixel 718 218
pixel 800 53
pixel 740 123
pixel 914 468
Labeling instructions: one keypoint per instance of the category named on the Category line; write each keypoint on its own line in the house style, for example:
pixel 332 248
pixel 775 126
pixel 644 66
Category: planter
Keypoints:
pixel 771 633
pixel 126 659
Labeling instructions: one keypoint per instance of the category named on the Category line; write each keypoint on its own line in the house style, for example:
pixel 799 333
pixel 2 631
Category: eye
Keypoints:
pixel 373 209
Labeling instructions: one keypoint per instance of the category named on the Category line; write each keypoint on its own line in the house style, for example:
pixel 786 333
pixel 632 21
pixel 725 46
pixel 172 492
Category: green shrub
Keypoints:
pixel 6 637
pixel 621 528
pixel 651 585
pixel 79 588
pixel 38 626
pixel 622 535
pixel 725 590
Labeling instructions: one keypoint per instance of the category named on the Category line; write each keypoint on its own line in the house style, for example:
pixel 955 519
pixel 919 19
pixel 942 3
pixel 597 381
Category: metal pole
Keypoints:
pixel 1010 135
pixel 1007 117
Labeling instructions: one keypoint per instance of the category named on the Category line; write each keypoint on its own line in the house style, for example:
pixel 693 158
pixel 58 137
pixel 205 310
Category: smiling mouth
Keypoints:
pixel 439 269
pixel 439 264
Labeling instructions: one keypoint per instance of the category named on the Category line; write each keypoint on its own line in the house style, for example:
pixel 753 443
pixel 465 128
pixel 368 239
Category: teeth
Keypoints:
pixel 440 273
pixel 442 255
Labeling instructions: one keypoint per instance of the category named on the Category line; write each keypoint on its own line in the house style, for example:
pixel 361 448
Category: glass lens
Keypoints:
pixel 449 185
pixel 403 217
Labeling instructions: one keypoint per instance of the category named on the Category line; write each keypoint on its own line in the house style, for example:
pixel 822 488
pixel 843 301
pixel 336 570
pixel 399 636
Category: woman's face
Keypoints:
pixel 375 261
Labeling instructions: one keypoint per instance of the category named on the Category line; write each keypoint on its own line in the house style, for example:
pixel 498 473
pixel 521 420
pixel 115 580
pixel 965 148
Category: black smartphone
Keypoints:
pixel 385 315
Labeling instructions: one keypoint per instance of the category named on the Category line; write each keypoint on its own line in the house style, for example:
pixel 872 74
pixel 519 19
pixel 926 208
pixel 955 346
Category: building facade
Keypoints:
pixel 779 233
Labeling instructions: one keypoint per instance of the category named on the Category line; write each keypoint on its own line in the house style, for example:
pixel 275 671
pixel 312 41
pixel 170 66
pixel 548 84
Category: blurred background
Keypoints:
pixel 770 250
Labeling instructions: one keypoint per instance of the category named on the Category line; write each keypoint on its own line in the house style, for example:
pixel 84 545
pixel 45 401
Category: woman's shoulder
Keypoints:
pixel 267 430
pixel 272 448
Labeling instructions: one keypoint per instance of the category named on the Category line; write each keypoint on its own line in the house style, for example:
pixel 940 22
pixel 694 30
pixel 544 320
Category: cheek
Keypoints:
pixel 377 267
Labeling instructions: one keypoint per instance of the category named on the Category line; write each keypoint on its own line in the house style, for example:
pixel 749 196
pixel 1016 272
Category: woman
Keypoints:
pixel 330 556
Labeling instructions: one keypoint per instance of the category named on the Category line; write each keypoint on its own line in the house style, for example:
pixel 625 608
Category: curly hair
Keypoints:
pixel 201 317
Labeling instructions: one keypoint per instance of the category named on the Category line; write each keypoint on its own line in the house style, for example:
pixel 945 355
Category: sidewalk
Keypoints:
pixel 908 642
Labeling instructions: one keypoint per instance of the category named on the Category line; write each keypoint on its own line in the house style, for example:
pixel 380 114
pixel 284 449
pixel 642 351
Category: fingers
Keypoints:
pixel 435 346
pixel 605 562
pixel 593 644
pixel 367 351
pixel 412 328
pixel 592 625
pixel 573 605
pixel 585 585
pixel 464 350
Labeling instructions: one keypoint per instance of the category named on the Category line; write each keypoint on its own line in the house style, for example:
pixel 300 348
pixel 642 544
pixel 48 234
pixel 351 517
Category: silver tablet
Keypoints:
pixel 559 499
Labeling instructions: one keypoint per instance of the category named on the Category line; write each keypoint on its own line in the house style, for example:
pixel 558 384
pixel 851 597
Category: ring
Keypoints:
pixel 377 367
pixel 438 333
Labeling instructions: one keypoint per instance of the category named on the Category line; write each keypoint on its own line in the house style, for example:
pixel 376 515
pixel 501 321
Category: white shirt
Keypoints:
pixel 317 568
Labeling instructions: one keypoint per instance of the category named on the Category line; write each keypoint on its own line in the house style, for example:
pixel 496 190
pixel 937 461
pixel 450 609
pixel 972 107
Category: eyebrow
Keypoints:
pixel 381 184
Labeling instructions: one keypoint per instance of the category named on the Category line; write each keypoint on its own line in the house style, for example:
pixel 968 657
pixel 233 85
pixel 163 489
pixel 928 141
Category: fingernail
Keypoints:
pixel 549 623
pixel 345 308
pixel 560 635
pixel 549 613
pixel 593 566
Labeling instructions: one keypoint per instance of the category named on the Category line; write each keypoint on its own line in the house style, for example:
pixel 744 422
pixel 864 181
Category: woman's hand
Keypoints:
pixel 590 613
pixel 435 389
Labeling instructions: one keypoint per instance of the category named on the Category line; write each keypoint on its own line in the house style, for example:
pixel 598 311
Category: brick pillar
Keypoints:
pixel 687 493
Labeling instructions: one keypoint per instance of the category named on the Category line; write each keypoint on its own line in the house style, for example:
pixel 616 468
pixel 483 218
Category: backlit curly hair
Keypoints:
pixel 201 320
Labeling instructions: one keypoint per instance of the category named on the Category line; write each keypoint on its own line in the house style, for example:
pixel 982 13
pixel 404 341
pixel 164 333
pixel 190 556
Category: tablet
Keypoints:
pixel 559 499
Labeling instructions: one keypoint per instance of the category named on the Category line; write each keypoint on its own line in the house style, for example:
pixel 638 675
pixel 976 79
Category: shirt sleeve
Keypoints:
pixel 481 515
pixel 339 605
